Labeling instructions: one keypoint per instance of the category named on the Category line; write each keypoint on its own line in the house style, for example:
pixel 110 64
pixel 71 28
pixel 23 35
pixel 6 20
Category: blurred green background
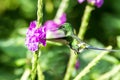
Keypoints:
pixel 15 16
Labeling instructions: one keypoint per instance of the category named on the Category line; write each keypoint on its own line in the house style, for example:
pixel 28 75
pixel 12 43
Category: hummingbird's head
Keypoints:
pixel 67 28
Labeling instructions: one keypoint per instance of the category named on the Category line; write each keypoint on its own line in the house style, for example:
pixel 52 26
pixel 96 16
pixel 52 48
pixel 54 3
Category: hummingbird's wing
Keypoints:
pixel 55 34
pixel 59 40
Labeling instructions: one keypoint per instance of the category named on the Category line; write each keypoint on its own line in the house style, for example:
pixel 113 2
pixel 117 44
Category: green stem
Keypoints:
pixel 39 13
pixel 91 64
pixel 61 10
pixel 34 64
pixel 71 64
pixel 26 74
pixel 85 20
pixel 111 73
pixel 36 54
pixel 40 74
pixel 73 57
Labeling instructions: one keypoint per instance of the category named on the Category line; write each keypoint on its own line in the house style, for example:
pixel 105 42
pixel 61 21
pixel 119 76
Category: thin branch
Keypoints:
pixel 91 64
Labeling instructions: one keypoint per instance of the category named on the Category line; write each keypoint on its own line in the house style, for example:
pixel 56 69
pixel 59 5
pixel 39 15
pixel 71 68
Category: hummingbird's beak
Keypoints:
pixel 60 27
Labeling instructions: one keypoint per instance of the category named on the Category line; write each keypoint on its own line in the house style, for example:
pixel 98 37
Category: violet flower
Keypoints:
pixel 97 3
pixel 50 25
pixel 36 36
pixel 77 65
pixel 62 19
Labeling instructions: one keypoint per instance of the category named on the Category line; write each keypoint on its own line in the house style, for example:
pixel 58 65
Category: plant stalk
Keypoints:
pixel 34 65
pixel 82 30
pixel 85 20
pixel 35 57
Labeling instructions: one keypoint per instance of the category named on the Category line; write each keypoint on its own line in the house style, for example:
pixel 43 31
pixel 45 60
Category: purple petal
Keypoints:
pixel 50 25
pixel 99 3
pixel 33 46
pixel 62 19
pixel 42 37
pixel 77 65
pixel 81 1
pixel 32 25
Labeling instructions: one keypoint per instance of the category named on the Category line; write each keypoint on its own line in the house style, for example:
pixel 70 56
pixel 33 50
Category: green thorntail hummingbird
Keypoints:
pixel 73 41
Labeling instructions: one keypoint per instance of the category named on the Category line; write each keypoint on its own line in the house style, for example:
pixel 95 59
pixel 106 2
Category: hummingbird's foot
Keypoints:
pixel 82 46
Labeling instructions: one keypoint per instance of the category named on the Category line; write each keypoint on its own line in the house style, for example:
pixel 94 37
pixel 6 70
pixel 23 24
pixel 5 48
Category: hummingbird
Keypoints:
pixel 65 34
pixel 74 42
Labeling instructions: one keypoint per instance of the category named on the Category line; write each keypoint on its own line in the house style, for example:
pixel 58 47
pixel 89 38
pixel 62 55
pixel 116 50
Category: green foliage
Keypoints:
pixel 15 16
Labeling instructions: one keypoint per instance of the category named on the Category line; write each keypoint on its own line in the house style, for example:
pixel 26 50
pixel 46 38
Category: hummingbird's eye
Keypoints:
pixel 63 27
